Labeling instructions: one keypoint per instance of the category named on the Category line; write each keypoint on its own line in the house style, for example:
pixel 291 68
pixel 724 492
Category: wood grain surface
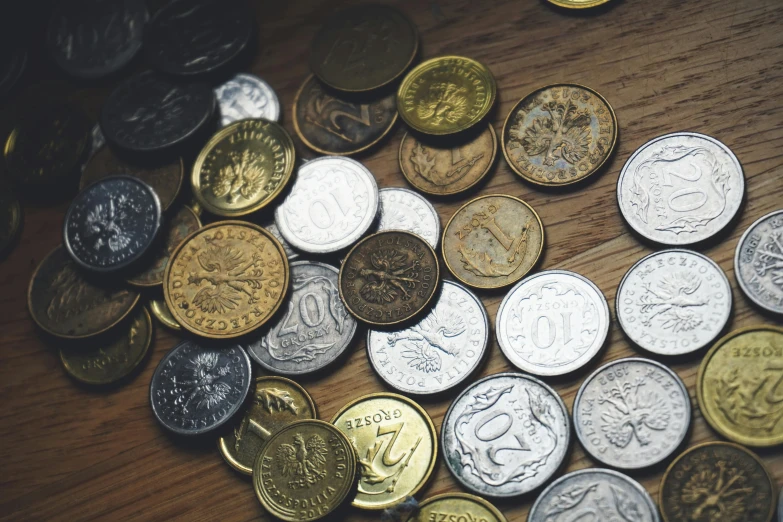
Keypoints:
pixel 68 452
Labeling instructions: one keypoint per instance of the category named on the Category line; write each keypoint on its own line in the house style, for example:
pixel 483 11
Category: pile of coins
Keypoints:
pixel 340 252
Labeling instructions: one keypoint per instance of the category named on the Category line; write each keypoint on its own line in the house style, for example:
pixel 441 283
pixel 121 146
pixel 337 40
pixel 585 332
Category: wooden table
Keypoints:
pixel 72 453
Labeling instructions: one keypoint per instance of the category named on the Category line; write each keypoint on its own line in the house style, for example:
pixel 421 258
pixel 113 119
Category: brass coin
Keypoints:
pixel 740 386
pixel 717 482
pixel 389 277
pixel 305 471
pixel 444 171
pixel 456 507
pixel 109 360
pixel 559 134
pixel 162 313
pixel 276 402
pixel 226 279
pixel 396 444
pixel 446 95
pixel 492 241
pixel 333 125
pixel 363 48
pixel 578 4
pixel 65 304
pixel 10 217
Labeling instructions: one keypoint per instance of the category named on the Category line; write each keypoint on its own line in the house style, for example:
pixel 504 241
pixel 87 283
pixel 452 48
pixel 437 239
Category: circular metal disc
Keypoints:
pixel 403 209
pixel 758 262
pixel 246 96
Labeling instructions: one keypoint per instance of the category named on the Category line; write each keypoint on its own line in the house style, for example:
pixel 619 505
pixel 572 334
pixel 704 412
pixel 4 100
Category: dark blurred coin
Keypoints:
pixel 13 60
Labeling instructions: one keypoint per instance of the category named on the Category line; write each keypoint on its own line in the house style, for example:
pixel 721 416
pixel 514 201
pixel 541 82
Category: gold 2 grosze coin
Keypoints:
pixel 456 507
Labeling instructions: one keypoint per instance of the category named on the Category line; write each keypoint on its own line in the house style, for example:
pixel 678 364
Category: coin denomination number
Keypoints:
pixel 330 206
pixel 551 329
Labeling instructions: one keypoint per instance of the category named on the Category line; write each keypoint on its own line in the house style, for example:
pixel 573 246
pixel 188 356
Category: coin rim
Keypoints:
pixel 254 79
pixel 175 326
pixel 463 496
pixel 737 274
pixel 419 198
pixel 567 5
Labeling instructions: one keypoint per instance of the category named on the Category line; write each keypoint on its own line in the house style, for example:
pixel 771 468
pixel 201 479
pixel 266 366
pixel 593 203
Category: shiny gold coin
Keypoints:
pixel 492 241
pixel 559 134
pixel 11 217
pixel 740 386
pixel 305 471
pixel 446 95
pixel 66 304
pixel 105 361
pixel 226 279
pixel 162 313
pixel 396 444
pixel 456 507
pixel 243 167
pixel 578 4
pixel 277 402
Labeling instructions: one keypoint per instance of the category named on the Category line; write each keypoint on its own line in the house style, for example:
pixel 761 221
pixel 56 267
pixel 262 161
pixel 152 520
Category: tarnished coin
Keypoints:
pixel 197 388
pixel 289 250
pixel 330 124
pixel 315 330
pixel 243 168
pixel 740 386
pixel 446 95
pixel 552 323
pixel 758 262
pixel 673 302
pixel 65 304
pixel 559 134
pixel 396 445
pixel 600 494
pixel 578 4
pixel 492 241
pixel 403 209
pixel 717 482
pixel 226 279
pixel 112 223
pixel 305 471
pixel 681 188
pixel 505 435
pixel 245 96
pixel 276 402
pixel 632 413
pixel 162 313
pixel 333 202
pixel 11 217
pixel 389 277
pixel 439 352
pixel 456 507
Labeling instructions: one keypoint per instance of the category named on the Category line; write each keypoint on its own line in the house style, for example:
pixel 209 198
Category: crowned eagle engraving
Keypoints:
pixel 244 177
pixel 563 133
pixel 229 275
pixel 203 389
pixel 392 276
pixel 632 414
pixel 102 225
pixel 425 341
pixel 302 461
pixel 444 101
pixel 673 302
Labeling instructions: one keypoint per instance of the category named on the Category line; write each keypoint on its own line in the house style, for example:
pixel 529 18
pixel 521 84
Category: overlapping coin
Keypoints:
pixel 245 96
pixel 758 262
pixel 162 313
pixel 403 209
pixel 457 507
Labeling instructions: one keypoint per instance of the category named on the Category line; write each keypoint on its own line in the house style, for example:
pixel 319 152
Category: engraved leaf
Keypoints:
pixel 422 163
pixel 274 399
pixel 627 508
pixel 568 500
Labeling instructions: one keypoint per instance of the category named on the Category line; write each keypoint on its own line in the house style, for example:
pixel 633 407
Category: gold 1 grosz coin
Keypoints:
pixel 162 313
pixel 492 241
pixel 277 402
pixel 446 95
pixel 396 444
pixel 305 471
pixel 740 386
pixel 578 4
pixel 10 217
pixel 559 134
pixel 226 279
pixel 243 167
pixel 457 507
pixel 389 277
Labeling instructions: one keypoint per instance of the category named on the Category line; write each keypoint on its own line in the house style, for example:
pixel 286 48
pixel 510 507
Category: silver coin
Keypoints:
pixel 333 202
pixel 552 323
pixel 505 435
pixel 290 253
pixel 196 389
pixel 439 352
pixel 314 331
pixel 594 494
pixel 97 140
pixel 632 413
pixel 681 188
pixel 758 262
pixel 403 209
pixel 673 302
pixel 246 96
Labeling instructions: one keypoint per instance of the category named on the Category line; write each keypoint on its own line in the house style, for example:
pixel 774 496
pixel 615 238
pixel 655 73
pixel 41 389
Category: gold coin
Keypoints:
pixel 443 171
pixel 446 95
pixel 578 4
pixel 277 402
pixel 305 471
pixel 10 217
pixel 396 444
pixel 226 279
pixel 492 241
pixel 456 507
pixel 162 313
pixel 243 167
pixel 740 386
pixel 66 304
pixel 104 361
pixel 559 134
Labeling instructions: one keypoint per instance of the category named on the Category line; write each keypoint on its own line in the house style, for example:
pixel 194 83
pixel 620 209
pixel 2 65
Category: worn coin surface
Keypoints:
pixel 506 435
pixel 439 352
pixel 680 188
pixel 552 323
pixel 396 445
pixel 289 250
pixel 673 302
pixel 331 124
pixel 456 507
pixel 578 4
pixel 717 481
pixel 403 209
pixel 492 241
pixel 758 262
pixel 162 313
pixel 740 386
pixel 333 202
pixel 245 96
pixel 11 217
